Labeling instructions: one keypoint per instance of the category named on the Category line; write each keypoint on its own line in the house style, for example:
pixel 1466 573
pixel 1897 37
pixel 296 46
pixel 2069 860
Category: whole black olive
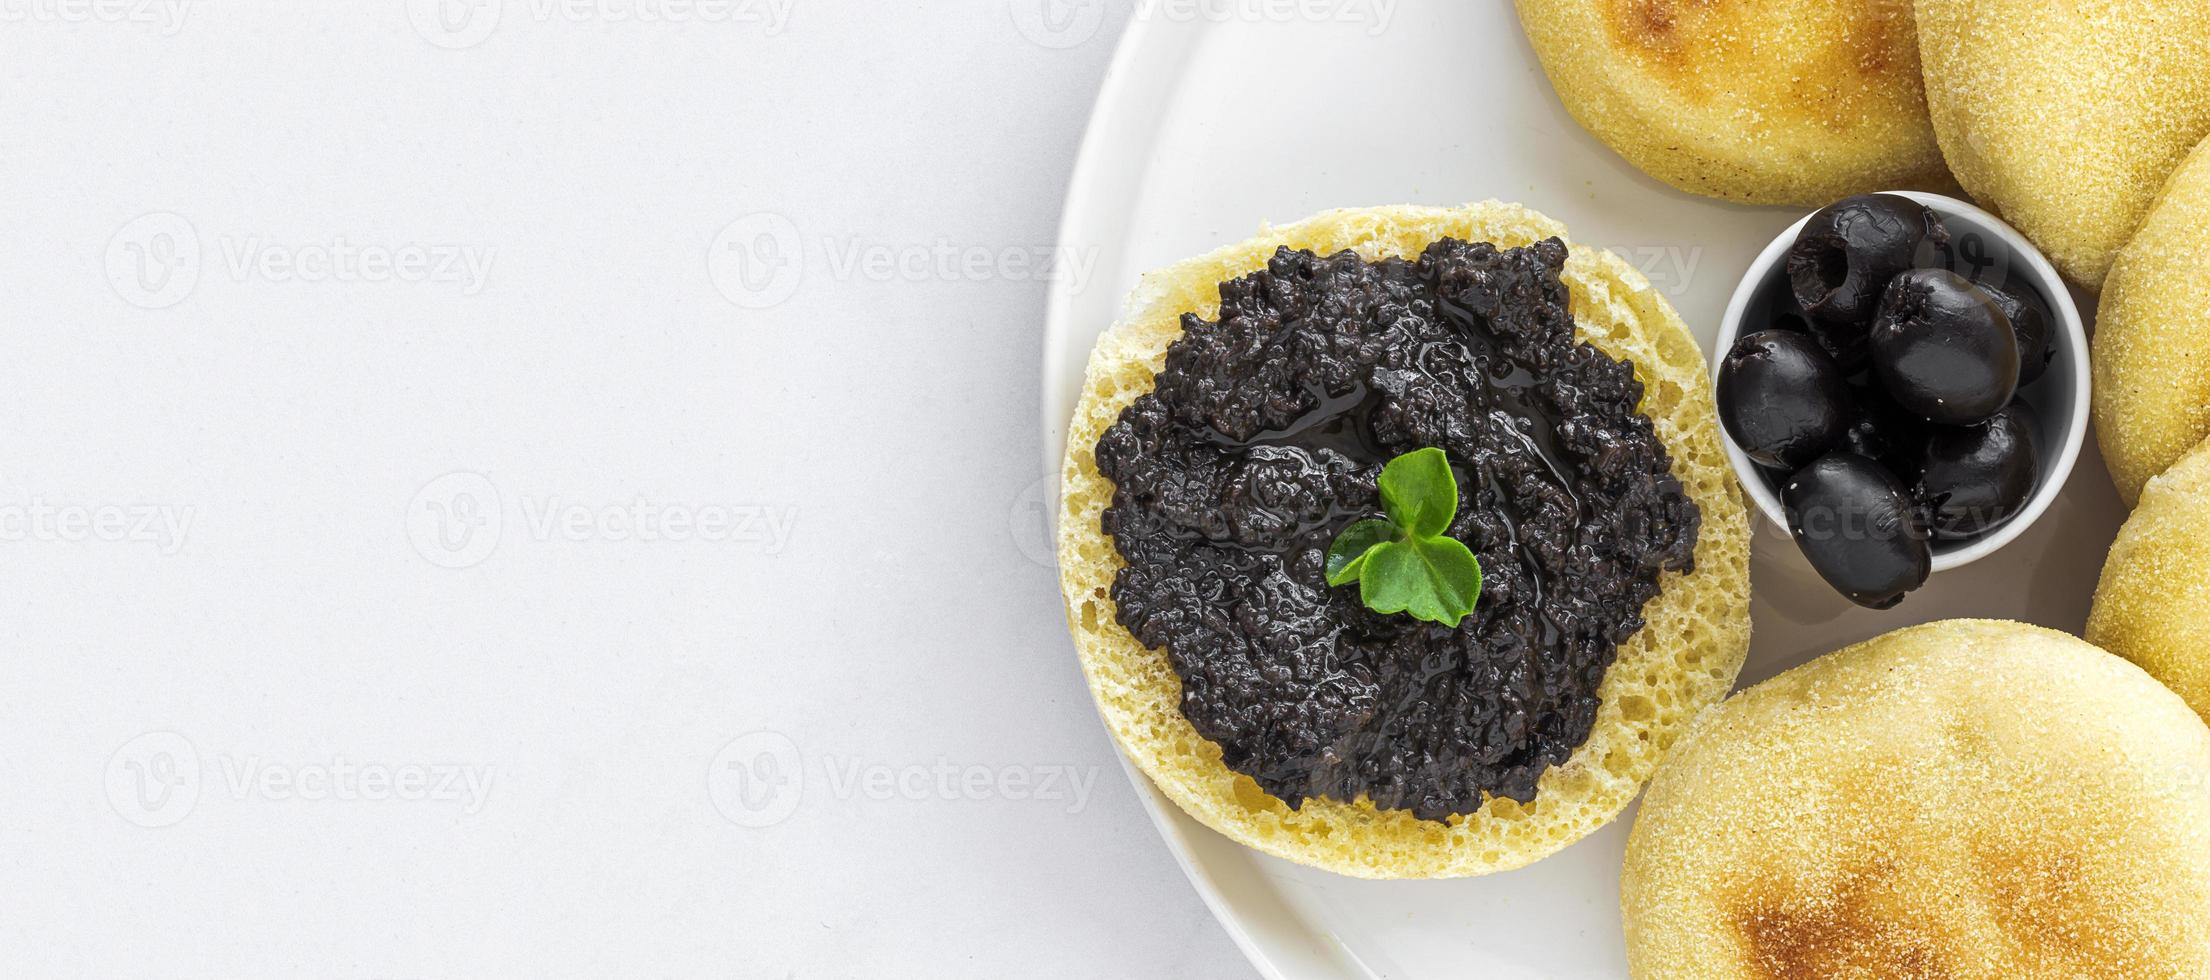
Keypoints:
pixel 1943 348
pixel 2030 320
pixel 1849 250
pixel 1858 528
pixel 1974 479
pixel 1782 399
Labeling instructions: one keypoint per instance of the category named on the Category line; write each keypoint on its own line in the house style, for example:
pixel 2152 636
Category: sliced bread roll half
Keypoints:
pixel 1964 799
pixel 1683 661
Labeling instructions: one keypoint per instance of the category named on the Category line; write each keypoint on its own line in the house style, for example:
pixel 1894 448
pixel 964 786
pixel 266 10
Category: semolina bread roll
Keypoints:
pixel 2152 338
pixel 1684 660
pixel 1757 101
pixel 2153 604
pixel 1967 799
pixel 2067 117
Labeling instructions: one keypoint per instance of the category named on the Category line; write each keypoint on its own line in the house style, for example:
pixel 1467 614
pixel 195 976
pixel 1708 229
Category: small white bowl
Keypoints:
pixel 2061 395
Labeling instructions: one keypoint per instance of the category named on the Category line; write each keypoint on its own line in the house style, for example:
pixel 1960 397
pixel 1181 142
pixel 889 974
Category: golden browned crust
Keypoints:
pixel 2067 117
pixel 1684 660
pixel 2152 337
pixel 1759 101
pixel 2153 604
pixel 1965 799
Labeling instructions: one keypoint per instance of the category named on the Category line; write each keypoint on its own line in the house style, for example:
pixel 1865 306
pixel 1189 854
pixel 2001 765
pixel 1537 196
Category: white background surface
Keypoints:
pixel 768 288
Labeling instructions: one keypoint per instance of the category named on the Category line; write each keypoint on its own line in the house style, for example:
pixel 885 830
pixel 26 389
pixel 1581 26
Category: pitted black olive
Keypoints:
pixel 1849 250
pixel 2031 321
pixel 1943 348
pixel 1858 528
pixel 1974 479
pixel 1782 399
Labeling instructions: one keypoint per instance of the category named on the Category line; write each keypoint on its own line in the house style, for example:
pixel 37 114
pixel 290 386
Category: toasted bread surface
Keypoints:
pixel 1966 800
pixel 2067 118
pixel 1757 101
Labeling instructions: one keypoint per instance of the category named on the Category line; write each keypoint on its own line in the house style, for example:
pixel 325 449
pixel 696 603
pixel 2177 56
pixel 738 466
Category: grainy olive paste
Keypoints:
pixel 1264 438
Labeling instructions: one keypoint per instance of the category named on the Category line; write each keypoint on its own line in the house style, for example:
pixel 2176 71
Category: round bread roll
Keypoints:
pixel 1684 660
pixel 1965 799
pixel 1758 101
pixel 2152 338
pixel 2153 604
pixel 2067 117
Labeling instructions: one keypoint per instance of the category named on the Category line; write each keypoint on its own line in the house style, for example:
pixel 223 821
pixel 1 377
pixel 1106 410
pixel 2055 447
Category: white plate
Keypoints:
pixel 1206 129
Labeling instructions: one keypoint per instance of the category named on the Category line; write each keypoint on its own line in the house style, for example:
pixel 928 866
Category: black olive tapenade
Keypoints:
pixel 1263 439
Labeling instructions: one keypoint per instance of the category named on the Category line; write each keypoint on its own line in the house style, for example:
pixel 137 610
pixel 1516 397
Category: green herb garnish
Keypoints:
pixel 1407 564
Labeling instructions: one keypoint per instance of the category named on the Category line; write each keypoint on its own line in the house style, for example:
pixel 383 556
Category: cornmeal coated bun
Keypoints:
pixel 2153 605
pixel 2152 338
pixel 2067 117
pixel 1761 101
pixel 1966 800
pixel 1685 660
